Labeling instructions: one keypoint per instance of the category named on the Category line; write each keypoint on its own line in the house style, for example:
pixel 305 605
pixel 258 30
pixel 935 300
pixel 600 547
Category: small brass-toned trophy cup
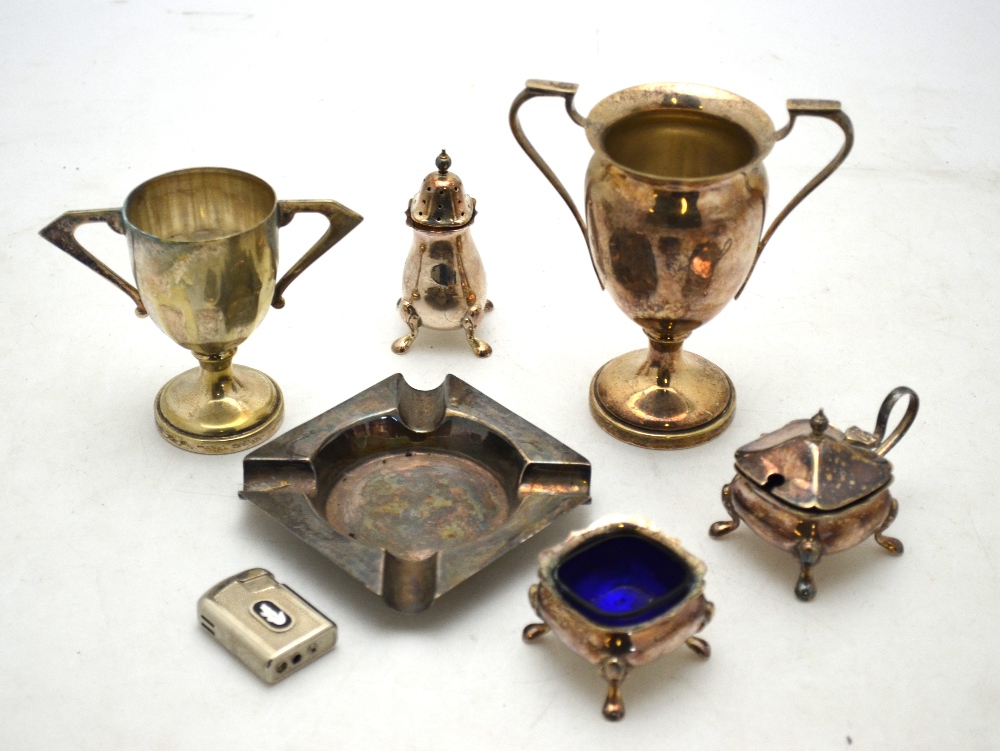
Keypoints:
pixel 675 198
pixel 204 251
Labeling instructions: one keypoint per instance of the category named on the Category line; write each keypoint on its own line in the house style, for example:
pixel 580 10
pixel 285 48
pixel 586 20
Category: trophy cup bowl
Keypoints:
pixel 204 252
pixel 675 198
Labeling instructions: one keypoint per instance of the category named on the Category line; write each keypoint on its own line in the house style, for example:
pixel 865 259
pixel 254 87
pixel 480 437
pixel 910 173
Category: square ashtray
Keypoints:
pixel 412 492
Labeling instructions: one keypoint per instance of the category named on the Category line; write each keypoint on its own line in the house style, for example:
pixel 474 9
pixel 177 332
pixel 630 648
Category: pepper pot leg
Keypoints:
pixel 412 319
pixel 479 347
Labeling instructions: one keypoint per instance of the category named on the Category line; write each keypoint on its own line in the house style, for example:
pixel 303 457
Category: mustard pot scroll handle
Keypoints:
pixel 567 91
pixel 61 233
pixel 830 110
pixel 342 221
pixel 876 442
pixel 913 404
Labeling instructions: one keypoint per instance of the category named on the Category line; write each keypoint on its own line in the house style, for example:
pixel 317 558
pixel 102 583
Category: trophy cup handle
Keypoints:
pixel 342 221
pixel 567 91
pixel 814 108
pixel 61 234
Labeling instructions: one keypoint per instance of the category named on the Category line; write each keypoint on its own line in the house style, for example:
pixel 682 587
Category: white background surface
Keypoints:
pixel 886 276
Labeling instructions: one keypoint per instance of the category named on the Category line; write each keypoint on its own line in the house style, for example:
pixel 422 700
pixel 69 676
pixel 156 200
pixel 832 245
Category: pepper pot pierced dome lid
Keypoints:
pixel 813 466
pixel 441 201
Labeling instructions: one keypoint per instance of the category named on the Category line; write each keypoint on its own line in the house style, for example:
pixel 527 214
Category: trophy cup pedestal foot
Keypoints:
pixel 219 412
pixel 631 401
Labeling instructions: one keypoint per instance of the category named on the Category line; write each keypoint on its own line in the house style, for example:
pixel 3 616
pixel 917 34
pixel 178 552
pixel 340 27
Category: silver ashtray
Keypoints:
pixel 412 492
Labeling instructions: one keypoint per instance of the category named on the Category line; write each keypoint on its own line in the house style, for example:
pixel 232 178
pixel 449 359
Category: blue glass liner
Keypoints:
pixel 623 578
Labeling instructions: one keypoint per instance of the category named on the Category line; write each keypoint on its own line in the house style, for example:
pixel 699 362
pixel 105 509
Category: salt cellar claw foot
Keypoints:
pixel 444 283
pixel 811 490
pixel 620 594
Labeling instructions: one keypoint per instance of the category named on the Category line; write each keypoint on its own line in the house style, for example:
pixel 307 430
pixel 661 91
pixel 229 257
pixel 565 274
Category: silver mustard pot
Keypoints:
pixel 812 490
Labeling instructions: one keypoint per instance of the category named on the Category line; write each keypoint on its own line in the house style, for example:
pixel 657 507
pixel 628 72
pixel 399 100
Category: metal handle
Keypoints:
pixel 567 91
pixel 813 108
pixel 342 221
pixel 883 418
pixel 61 234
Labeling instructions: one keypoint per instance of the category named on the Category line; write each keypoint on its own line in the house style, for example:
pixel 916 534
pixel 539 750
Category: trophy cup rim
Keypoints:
pixel 709 100
pixel 138 192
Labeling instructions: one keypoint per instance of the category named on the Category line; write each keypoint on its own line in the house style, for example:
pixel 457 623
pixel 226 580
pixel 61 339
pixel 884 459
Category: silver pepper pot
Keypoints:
pixel 444 283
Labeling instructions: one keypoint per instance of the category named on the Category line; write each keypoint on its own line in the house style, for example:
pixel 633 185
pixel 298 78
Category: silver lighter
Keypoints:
pixel 270 628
